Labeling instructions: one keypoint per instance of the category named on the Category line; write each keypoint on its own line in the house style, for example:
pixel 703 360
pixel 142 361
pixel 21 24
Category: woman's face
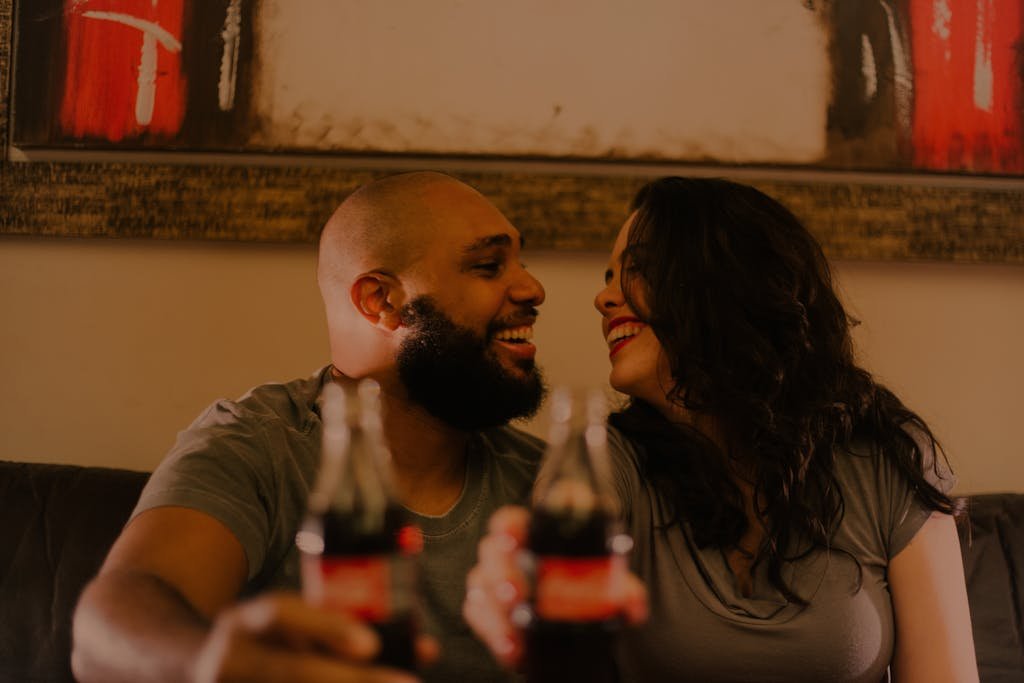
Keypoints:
pixel 640 367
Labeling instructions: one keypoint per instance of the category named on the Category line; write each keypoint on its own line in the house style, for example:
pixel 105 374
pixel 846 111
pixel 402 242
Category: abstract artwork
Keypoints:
pixel 904 85
pixel 931 85
pixel 892 127
pixel 131 73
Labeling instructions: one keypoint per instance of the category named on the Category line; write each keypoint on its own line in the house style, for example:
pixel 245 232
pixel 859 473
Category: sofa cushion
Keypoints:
pixel 56 524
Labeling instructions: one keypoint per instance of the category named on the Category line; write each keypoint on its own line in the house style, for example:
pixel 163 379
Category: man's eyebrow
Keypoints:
pixel 500 240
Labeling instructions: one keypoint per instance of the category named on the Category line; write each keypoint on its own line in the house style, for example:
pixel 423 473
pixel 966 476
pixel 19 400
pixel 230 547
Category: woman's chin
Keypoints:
pixel 621 385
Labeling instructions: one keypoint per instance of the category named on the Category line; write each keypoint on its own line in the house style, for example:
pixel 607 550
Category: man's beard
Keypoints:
pixel 453 374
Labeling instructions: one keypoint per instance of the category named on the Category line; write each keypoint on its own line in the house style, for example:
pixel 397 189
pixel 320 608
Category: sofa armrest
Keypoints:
pixel 57 523
pixel 992 545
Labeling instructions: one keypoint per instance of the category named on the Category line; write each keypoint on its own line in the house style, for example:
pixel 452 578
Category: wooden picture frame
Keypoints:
pixel 557 205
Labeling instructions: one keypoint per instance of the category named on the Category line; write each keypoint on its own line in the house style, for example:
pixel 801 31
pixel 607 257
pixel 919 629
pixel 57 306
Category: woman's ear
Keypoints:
pixel 378 298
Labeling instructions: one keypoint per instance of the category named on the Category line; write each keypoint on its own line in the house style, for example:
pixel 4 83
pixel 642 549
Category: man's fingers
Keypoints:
pixel 273 665
pixel 291 620
pixel 279 637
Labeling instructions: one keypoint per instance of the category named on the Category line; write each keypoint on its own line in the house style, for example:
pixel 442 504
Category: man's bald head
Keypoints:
pixel 390 241
pixel 384 225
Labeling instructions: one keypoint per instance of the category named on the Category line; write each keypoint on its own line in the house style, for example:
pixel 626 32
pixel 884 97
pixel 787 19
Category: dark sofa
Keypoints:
pixel 57 522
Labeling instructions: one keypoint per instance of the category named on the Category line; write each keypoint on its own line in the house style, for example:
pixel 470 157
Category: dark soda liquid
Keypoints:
pixel 397 638
pixel 554 533
pixel 563 651
pixel 560 652
pixel 356 534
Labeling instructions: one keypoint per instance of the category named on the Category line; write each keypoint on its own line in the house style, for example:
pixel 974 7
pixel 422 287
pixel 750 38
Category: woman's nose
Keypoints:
pixel 608 298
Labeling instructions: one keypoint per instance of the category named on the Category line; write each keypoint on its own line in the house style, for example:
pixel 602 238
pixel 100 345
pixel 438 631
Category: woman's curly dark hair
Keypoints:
pixel 740 296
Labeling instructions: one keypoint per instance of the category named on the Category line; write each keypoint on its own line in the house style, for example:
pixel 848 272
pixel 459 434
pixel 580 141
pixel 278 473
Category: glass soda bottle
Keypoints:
pixel 357 546
pixel 575 543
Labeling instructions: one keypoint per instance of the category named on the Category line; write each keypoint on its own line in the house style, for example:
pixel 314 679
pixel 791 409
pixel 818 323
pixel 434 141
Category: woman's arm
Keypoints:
pixel 934 642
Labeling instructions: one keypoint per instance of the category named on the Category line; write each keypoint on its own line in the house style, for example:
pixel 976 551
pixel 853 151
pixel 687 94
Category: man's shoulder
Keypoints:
pixel 291 404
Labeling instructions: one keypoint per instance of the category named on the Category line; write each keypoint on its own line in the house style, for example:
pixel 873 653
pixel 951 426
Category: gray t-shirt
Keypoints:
pixel 251 463
pixel 702 628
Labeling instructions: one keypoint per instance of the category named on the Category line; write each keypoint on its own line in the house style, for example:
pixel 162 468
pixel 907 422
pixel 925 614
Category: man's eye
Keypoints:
pixel 490 267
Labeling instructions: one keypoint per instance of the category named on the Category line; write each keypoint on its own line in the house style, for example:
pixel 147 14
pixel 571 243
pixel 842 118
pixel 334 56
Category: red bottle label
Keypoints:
pixel 360 586
pixel 578 588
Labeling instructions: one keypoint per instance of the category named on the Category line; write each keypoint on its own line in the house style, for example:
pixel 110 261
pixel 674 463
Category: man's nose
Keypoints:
pixel 528 290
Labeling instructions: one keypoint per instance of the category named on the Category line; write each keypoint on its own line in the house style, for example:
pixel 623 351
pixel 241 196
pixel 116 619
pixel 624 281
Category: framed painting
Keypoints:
pixel 893 127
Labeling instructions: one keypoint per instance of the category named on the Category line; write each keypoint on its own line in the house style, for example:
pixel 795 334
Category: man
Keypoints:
pixel 424 292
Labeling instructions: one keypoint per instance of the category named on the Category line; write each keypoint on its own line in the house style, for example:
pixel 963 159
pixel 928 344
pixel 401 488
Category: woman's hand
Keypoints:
pixel 497 585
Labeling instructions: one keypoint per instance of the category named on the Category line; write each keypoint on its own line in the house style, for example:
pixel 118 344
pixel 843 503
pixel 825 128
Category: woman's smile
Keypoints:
pixel 621 331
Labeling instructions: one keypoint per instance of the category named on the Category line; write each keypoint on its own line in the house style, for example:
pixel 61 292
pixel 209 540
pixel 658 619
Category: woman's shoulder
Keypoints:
pixel 625 454
pixel 620 443
pixel 870 463
pixel 881 506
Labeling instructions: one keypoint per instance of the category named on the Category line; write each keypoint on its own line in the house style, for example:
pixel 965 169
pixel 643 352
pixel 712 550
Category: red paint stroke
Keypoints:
pixel 102 75
pixel 953 127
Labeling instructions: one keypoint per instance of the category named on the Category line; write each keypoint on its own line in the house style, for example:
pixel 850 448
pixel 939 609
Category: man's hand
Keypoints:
pixel 280 637
pixel 163 609
pixel 497 585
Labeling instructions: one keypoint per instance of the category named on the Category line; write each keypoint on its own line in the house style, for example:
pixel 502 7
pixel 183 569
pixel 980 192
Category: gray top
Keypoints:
pixel 250 464
pixel 702 628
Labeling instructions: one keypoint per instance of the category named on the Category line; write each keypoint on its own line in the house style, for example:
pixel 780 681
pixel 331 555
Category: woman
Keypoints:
pixel 791 518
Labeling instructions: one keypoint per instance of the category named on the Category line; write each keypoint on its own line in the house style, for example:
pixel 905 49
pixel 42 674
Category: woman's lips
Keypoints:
pixel 617 346
pixel 621 331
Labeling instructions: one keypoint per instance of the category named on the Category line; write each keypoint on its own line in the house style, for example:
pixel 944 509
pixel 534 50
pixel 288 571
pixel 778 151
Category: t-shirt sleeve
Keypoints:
pixel 908 513
pixel 217 467
pixel 625 478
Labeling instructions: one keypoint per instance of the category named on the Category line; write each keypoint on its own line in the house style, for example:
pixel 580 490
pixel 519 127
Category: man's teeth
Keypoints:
pixel 523 333
pixel 624 330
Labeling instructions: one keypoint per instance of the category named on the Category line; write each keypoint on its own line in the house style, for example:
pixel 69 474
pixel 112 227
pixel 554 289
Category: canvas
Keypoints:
pixel 894 85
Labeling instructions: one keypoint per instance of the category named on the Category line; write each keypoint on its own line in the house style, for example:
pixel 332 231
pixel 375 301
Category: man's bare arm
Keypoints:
pixel 147 613
pixel 162 609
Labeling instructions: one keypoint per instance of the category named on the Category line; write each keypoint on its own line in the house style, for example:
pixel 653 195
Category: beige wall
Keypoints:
pixel 107 348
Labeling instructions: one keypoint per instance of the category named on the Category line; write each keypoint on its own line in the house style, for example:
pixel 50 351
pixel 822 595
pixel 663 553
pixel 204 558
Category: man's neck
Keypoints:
pixel 428 457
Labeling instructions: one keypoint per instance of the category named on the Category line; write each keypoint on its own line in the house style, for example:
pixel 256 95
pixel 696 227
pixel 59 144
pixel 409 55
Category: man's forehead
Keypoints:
pixel 498 239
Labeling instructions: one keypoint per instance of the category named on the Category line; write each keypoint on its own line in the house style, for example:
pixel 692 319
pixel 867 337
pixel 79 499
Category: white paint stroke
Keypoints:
pixel 903 81
pixel 146 97
pixel 231 34
pixel 169 42
pixel 942 15
pixel 983 75
pixel 867 67
pixel 152 32
pixel 941 21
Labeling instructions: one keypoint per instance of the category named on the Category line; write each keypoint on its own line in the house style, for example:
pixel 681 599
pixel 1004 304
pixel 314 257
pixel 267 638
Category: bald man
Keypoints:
pixel 424 292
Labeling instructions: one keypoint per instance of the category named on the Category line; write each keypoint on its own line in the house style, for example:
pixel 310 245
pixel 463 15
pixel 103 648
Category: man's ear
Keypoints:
pixel 378 297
